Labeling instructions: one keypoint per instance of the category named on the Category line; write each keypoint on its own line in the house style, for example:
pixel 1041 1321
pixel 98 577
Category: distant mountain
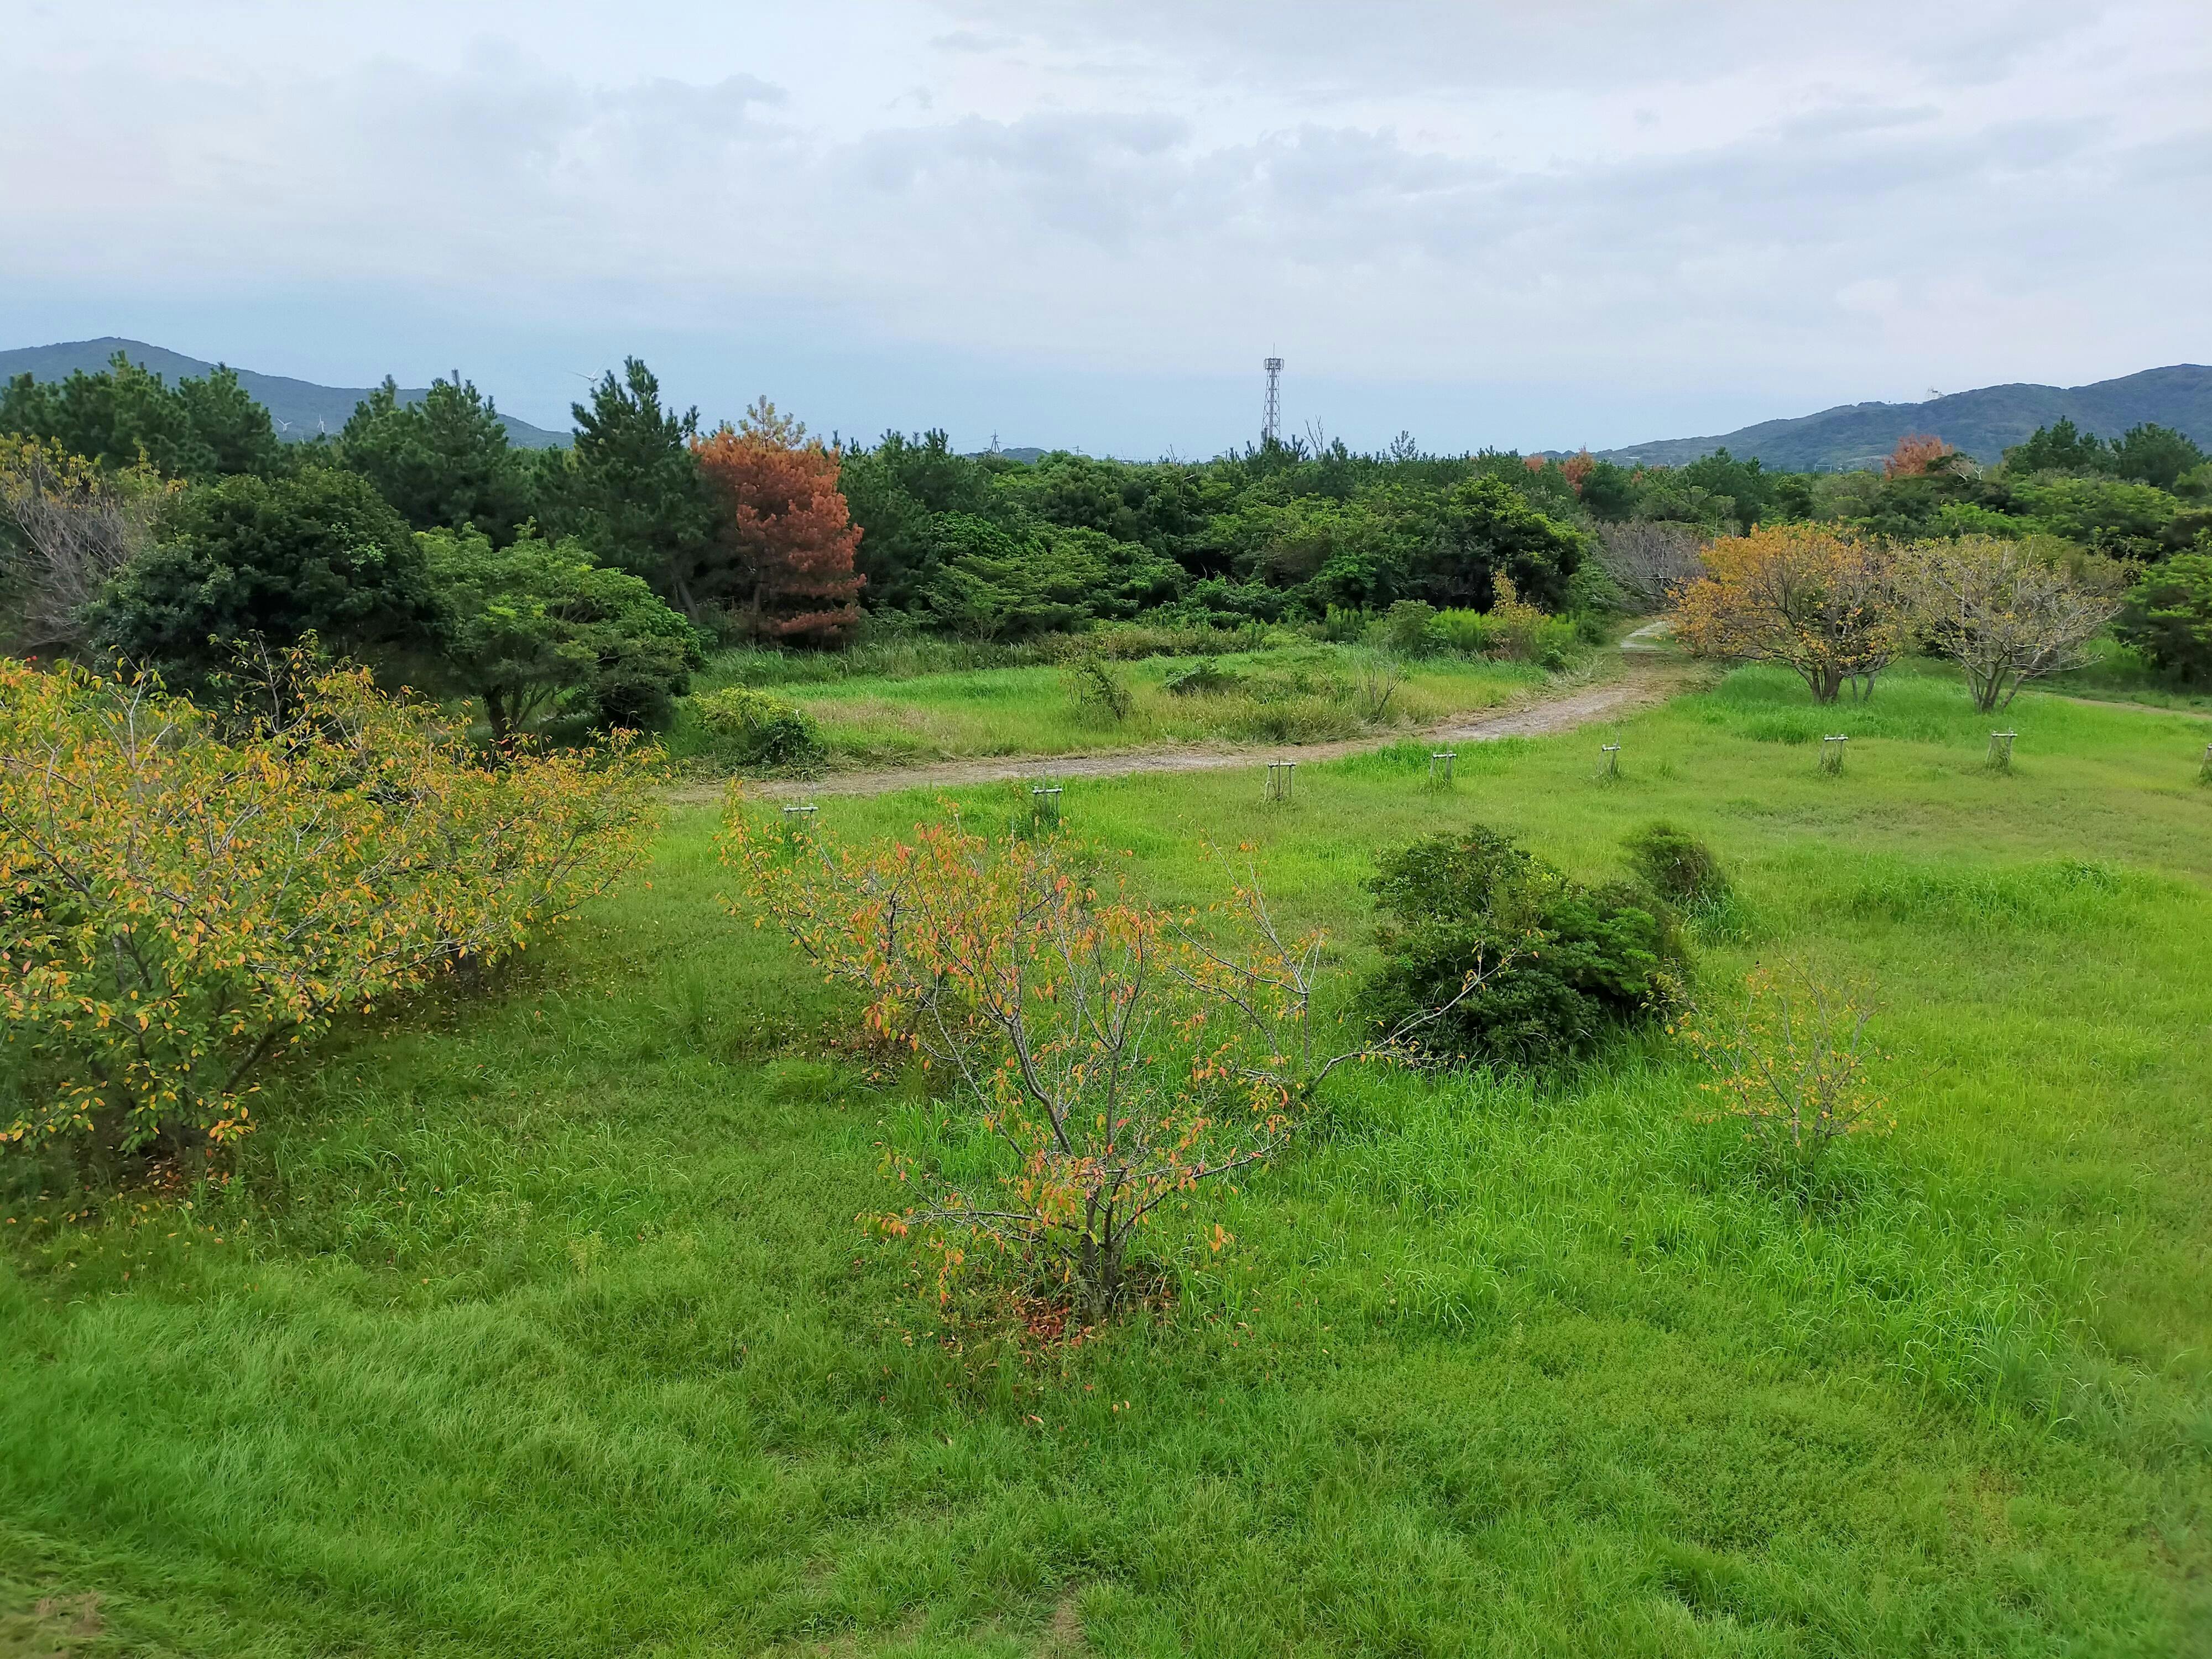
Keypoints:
pixel 300 408
pixel 1983 424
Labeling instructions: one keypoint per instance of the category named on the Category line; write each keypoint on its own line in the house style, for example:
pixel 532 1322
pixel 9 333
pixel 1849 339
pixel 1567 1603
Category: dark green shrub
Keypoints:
pixel 2169 615
pixel 246 558
pixel 758 730
pixel 1678 867
pixel 1579 962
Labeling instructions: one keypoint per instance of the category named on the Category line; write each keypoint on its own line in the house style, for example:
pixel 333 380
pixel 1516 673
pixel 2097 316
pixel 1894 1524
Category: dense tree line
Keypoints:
pixel 398 536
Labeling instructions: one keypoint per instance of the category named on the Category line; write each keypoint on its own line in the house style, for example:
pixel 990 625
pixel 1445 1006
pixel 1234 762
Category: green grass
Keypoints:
pixel 542 1323
pixel 1299 693
pixel 2118 673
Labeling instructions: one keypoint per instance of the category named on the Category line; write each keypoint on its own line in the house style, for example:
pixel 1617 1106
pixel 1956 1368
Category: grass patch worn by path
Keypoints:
pixel 1302 694
pixel 1560 707
pixel 542 1323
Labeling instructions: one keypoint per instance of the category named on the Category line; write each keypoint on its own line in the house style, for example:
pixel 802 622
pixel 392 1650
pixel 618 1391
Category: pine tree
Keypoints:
pixel 786 537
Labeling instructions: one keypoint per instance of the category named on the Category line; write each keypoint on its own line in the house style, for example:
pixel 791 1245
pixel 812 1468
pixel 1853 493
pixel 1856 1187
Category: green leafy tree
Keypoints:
pixel 2155 454
pixel 1609 492
pixel 991 583
pixel 443 460
pixel 201 427
pixel 2059 448
pixel 1162 506
pixel 271 560
pixel 2126 520
pixel 2168 616
pixel 547 638
pixel 1486 528
pixel 1747 482
pixel 1666 495
pixel 895 492
pixel 629 487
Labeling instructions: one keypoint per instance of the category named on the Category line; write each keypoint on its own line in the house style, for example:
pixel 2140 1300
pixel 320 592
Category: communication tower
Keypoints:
pixel 1271 428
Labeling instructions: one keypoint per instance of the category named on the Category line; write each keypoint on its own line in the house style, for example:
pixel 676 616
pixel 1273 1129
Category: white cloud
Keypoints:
pixel 1755 211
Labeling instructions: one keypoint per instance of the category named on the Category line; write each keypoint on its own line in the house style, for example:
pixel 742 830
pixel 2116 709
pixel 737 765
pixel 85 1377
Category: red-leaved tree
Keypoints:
pixel 786 535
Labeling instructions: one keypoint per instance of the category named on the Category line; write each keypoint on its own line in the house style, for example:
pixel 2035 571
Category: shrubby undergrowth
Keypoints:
pixel 1564 965
pixel 186 896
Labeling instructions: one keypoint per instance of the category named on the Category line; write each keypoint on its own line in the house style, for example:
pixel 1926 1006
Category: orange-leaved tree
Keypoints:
pixel 785 540
pixel 183 898
pixel 1822 602
pixel 1115 1055
pixel 1917 454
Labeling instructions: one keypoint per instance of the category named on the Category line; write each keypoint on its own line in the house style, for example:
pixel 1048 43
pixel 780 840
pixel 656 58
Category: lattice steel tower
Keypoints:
pixel 1271 428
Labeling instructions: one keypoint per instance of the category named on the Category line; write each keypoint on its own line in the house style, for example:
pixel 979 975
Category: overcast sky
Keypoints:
pixel 1531 225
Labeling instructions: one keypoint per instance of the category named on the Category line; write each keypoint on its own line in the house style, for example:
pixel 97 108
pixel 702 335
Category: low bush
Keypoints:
pixel 183 899
pixel 1098 687
pixel 760 730
pixel 1468 631
pixel 1790 1066
pixel 1204 678
pixel 1564 965
pixel 1678 867
pixel 1552 642
pixel 1511 629
pixel 1408 628
pixel 1129 642
pixel 1341 624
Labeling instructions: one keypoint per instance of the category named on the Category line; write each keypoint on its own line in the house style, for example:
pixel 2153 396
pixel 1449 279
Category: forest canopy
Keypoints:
pixel 377 538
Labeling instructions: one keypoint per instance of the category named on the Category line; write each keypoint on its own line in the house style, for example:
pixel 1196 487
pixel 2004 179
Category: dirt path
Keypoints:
pixel 1643 680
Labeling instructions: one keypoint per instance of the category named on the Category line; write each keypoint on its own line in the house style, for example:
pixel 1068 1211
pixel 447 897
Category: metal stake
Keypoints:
pixel 1044 804
pixel 1279 780
pixel 1831 752
pixel 798 821
pixel 1610 766
pixel 1440 768
pixel 2001 751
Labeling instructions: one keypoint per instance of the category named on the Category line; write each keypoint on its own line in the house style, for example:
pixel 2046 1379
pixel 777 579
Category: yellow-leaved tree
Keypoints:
pixel 1822 602
pixel 183 897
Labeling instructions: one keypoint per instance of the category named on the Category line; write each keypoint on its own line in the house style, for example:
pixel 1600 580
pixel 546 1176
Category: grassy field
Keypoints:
pixel 1296 693
pixel 2118 674
pixel 542 1324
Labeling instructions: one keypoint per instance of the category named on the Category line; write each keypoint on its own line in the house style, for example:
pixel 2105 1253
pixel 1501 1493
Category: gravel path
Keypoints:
pixel 1645 680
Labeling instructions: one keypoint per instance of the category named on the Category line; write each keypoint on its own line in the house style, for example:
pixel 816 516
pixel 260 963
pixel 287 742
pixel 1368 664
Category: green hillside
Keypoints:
pixel 1983 422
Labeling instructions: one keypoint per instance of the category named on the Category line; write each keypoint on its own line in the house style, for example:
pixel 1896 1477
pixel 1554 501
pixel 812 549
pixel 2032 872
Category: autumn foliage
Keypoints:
pixel 1917 455
pixel 185 898
pixel 1823 603
pixel 787 535
pixel 1792 1066
pixel 1117 1054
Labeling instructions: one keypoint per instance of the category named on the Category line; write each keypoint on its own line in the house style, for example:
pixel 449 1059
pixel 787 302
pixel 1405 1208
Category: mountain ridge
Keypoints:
pixel 301 409
pixel 1983 422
